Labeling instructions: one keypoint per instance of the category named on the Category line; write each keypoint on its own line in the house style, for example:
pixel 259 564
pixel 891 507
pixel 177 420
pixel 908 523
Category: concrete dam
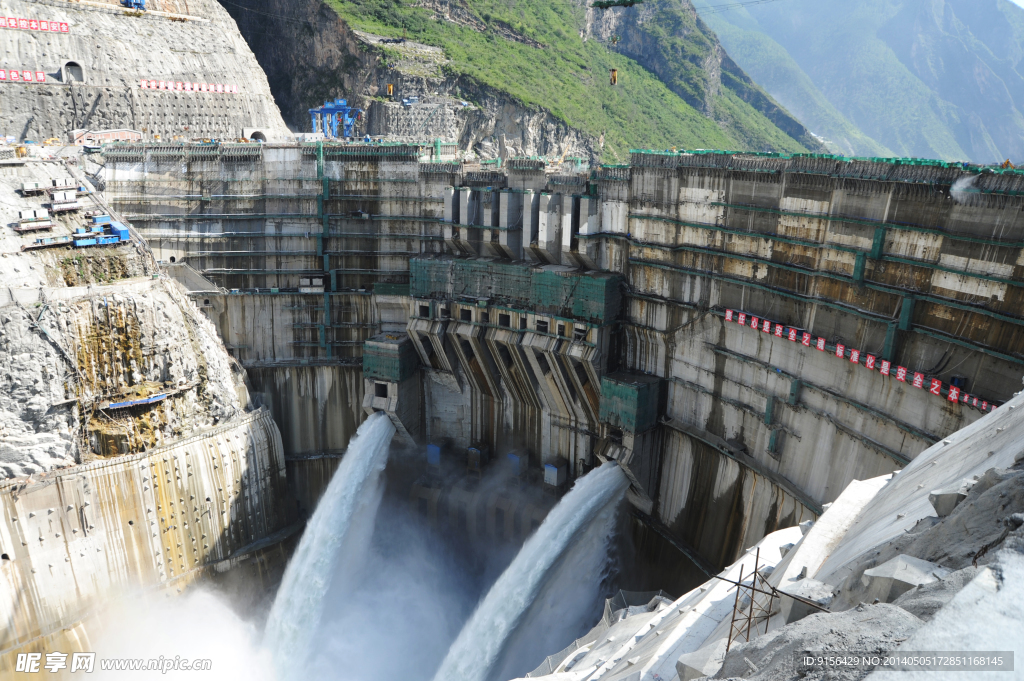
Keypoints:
pixel 583 316
pixel 275 406
pixel 744 337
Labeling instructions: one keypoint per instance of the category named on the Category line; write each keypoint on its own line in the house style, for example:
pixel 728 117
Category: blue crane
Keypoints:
pixel 327 118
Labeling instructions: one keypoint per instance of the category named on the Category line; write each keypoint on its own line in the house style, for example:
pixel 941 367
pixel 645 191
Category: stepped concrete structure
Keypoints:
pixel 768 329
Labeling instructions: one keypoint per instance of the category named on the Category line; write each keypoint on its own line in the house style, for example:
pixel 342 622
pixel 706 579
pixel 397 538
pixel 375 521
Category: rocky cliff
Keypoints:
pixel 533 80
pixel 75 349
pixel 668 38
pixel 317 56
pixel 119 334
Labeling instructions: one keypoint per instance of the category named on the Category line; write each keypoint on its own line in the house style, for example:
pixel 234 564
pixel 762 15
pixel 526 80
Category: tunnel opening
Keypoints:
pixel 72 72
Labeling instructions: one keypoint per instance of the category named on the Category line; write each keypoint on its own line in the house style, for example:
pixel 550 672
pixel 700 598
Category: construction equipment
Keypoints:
pixel 33 220
pixel 139 5
pixel 1007 165
pixel 327 118
pixel 391 90
pixel 755 602
pixel 64 201
pixel 103 231
pixel 615 76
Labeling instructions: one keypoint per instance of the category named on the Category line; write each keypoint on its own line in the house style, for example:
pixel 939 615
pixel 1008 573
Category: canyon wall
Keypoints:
pixel 339 61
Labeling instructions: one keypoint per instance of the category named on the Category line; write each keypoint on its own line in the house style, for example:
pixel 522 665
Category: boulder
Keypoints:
pixel 926 600
pixel 809 589
pixel 892 579
pixel 704 662
pixel 946 499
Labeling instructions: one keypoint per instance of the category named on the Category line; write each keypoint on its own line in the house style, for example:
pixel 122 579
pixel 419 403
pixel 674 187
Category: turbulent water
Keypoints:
pixel 552 584
pixel 411 598
pixel 341 526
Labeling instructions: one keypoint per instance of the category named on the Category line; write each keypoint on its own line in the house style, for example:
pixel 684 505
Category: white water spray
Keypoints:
pixel 569 551
pixel 341 526
pixel 963 188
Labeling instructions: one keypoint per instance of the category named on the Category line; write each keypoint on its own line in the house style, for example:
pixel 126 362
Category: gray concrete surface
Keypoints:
pixel 775 428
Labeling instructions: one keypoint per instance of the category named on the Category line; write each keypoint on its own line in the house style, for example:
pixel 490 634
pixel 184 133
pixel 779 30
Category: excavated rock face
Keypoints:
pixel 146 343
pixel 978 521
pixel 93 73
pixel 69 353
pixel 65 365
pixel 33 436
pixel 336 61
pixel 504 127
pixel 982 524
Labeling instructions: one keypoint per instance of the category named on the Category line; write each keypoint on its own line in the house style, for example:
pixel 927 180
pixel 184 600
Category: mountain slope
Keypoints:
pixel 777 72
pixel 536 54
pixel 668 39
pixel 931 78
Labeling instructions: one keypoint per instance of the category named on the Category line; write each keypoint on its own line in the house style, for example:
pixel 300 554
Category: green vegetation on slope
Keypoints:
pixel 667 38
pixel 569 76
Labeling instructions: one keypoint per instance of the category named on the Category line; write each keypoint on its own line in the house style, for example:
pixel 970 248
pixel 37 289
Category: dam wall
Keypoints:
pixel 263 225
pixel 77 538
pixel 570 316
pixel 269 224
pixel 94 61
